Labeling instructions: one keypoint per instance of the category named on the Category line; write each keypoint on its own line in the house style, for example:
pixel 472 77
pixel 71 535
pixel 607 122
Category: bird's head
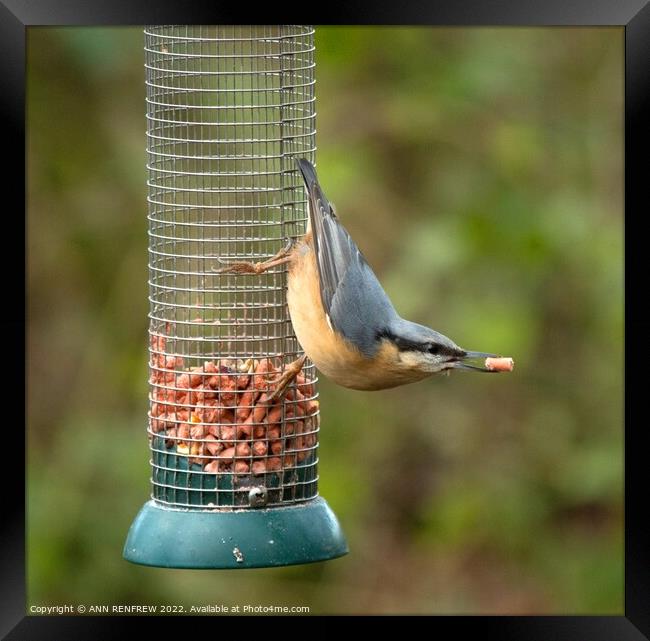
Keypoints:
pixel 421 351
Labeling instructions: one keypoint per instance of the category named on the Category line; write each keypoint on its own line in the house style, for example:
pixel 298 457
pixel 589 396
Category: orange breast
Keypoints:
pixel 333 355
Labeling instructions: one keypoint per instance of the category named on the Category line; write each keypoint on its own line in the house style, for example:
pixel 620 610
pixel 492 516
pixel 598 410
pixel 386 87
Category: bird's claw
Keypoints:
pixel 282 382
pixel 239 268
pixel 248 267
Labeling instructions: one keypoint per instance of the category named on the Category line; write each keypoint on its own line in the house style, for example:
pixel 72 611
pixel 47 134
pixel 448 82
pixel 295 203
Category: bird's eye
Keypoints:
pixel 434 349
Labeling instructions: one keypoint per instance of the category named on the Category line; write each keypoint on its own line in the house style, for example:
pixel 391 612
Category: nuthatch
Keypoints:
pixel 341 315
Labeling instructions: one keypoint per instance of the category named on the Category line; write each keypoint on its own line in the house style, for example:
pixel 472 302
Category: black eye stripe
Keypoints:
pixel 442 350
pixel 404 345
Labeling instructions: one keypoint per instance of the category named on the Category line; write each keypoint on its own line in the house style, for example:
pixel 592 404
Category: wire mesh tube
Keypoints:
pixel 229 108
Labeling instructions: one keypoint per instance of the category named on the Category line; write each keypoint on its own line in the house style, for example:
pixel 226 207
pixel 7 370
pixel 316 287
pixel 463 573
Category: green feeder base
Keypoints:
pixel 248 538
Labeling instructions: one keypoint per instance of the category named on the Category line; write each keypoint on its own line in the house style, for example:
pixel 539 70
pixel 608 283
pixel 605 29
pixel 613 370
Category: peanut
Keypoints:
pixel 310 440
pixel 227 385
pixel 275 415
pixel 246 403
pixel 210 415
pixel 307 388
pixel 163 422
pixel 197 431
pixel 164 395
pixel 183 381
pixel 260 410
pixel 227 454
pixel 173 361
pixel 242 449
pixel 246 366
pixel 196 379
pixel 197 398
pixel 242 381
pixel 212 445
pixel 212 467
pixel 259 467
pixel 226 457
pixel 244 431
pixel 225 415
pixel 182 415
pixel 261 375
pixel 300 397
pixel 228 433
pixel 241 467
pixel 499 364
pixel 259 448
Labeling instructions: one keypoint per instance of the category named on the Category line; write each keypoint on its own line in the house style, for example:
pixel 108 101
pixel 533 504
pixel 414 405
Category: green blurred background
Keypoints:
pixel 480 171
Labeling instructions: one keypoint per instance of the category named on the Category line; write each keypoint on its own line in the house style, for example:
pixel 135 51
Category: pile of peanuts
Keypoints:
pixel 223 415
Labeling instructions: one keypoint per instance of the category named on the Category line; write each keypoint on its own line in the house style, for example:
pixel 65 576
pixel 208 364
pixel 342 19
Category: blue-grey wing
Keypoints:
pixel 352 297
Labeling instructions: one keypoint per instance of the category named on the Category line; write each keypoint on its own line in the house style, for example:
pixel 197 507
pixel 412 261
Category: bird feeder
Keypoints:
pixel 233 422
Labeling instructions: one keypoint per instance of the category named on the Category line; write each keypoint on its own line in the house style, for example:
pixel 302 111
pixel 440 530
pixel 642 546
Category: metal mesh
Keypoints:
pixel 229 108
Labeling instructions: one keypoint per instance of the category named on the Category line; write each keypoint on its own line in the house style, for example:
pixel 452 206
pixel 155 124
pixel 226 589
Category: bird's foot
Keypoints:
pixel 249 267
pixel 291 371
pixel 240 267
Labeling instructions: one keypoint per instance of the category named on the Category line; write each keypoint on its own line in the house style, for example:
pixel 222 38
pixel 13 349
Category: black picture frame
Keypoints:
pixel 633 15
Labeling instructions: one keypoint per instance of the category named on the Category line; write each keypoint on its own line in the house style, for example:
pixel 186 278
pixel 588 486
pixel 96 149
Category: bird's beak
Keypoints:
pixel 474 361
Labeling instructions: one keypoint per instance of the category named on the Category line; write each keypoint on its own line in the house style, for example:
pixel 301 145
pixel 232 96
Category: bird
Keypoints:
pixel 342 317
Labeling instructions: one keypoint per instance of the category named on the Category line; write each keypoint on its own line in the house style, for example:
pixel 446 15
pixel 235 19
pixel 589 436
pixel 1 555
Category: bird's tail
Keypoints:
pixel 308 171
pixel 314 190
